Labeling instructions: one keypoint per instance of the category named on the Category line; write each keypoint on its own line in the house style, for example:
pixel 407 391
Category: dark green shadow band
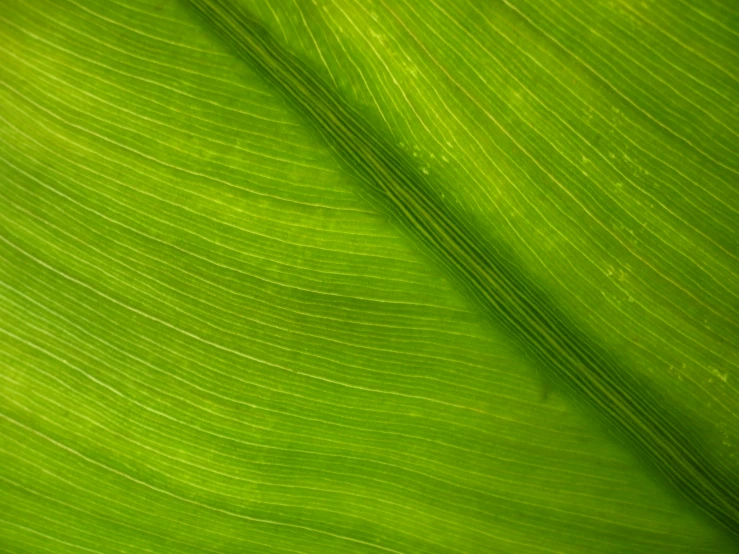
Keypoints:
pixel 628 407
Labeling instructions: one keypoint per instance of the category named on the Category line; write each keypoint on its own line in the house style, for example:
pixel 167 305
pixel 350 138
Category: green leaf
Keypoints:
pixel 416 276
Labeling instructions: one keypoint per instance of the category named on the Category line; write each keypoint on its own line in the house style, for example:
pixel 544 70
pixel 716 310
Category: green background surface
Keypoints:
pixel 212 340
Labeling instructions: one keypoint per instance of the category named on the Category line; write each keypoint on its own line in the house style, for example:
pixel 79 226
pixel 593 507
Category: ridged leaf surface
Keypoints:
pixel 347 276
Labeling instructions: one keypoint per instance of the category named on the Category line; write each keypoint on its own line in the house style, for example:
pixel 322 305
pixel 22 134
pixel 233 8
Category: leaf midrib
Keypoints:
pixel 656 432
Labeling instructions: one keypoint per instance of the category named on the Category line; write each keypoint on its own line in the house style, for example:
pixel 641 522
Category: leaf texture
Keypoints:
pixel 304 289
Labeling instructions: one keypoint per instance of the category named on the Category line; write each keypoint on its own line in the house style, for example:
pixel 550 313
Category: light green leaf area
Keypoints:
pixel 216 336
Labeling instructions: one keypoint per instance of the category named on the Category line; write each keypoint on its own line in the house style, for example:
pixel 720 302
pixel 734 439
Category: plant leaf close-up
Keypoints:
pixel 440 276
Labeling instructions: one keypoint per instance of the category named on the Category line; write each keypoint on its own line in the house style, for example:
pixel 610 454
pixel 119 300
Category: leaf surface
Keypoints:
pixel 220 335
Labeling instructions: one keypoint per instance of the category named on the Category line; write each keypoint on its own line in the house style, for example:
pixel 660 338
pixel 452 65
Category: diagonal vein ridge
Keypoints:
pixel 627 405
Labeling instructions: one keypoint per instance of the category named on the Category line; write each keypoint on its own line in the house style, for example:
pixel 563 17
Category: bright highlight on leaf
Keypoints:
pixel 438 276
